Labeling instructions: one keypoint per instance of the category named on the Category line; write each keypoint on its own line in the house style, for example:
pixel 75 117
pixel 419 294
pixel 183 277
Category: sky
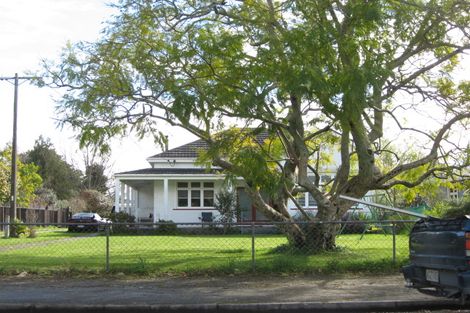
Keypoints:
pixel 32 30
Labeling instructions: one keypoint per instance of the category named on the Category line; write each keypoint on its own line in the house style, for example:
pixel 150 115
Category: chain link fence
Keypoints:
pixel 189 248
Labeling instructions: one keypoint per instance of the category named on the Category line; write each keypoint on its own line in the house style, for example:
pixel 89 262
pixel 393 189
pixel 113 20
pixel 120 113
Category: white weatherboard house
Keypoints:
pixel 175 188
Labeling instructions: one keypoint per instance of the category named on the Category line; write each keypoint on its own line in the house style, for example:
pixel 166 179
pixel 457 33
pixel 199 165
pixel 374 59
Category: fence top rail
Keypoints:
pixel 382 222
pixel 36 209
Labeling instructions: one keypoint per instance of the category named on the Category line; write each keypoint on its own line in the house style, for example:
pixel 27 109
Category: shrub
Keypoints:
pixel 457 211
pixel 167 227
pixel 122 217
pixel 438 210
pixel 96 201
pixel 352 223
pixel 18 228
pixel 32 232
pixel 121 221
pixel 227 206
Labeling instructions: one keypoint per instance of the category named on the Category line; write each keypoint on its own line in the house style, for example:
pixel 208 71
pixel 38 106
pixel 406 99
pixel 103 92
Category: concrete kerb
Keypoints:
pixel 301 307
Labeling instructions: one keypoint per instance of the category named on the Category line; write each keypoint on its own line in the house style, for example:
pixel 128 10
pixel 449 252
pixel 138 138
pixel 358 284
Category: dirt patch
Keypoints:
pixel 43 243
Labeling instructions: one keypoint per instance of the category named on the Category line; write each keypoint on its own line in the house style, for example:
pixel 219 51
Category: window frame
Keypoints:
pixel 192 187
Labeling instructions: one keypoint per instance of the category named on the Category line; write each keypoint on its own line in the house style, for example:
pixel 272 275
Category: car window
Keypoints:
pixel 83 215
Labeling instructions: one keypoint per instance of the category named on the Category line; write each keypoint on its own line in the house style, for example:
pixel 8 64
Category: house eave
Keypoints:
pixel 163 176
pixel 166 159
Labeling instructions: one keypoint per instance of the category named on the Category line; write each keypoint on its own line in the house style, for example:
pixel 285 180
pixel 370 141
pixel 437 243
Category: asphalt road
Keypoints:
pixel 209 294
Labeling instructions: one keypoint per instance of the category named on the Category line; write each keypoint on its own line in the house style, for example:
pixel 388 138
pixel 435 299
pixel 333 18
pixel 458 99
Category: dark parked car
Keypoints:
pixel 440 257
pixel 86 221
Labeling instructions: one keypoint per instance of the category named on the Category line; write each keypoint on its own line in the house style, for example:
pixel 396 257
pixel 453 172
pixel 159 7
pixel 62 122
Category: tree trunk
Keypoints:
pixel 311 236
pixel 321 235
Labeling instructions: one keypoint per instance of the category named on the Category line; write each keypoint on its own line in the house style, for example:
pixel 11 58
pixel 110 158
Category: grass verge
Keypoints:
pixel 195 255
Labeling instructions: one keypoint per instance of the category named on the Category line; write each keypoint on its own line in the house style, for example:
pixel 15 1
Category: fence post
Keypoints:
pixel 394 257
pixel 107 247
pixel 253 257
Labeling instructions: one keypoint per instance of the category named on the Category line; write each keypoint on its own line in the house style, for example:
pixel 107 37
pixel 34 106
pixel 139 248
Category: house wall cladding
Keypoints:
pixel 37 216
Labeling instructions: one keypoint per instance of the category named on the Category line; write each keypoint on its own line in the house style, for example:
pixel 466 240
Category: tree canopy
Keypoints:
pixel 96 165
pixel 56 173
pixel 28 180
pixel 354 74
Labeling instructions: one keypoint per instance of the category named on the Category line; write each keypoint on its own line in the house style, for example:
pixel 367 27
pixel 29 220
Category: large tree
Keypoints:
pixel 353 73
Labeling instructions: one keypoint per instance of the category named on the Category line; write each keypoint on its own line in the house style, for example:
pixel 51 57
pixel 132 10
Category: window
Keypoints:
pixel 301 199
pixel 195 194
pixel 182 198
pixel 453 194
pixel 208 198
pixel 311 201
pixel 305 200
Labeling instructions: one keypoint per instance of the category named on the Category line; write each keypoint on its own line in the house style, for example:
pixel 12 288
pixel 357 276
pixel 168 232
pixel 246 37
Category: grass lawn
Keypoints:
pixel 197 254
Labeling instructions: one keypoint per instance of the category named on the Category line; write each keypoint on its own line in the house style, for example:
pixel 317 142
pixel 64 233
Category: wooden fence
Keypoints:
pixel 37 216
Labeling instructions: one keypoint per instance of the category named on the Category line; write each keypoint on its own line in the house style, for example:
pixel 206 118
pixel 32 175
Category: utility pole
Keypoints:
pixel 10 216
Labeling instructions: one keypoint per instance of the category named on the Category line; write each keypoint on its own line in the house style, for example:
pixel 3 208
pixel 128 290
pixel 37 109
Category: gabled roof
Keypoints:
pixel 191 150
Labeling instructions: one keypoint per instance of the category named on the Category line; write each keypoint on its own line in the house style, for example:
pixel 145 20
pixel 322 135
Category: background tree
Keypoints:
pixel 57 174
pixel 28 180
pixel 4 181
pixel 45 198
pixel 95 178
pixel 96 165
pixel 304 71
pixel 91 201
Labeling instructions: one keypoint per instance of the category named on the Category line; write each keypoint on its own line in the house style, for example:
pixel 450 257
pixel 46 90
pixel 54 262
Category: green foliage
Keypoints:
pixel 353 223
pixel 122 217
pixel 88 200
pixel 429 190
pixel 251 151
pixel 18 229
pixel 95 178
pixel 45 197
pixel 227 206
pixel 121 221
pixel 33 232
pixel 56 173
pixel 28 179
pixel 439 209
pixel 95 201
pixel 4 181
pixel 454 210
pixel 303 72
pixel 167 227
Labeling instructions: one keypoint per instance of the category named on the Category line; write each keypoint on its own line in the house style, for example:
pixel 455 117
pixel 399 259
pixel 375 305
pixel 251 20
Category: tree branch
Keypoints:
pixel 427 159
